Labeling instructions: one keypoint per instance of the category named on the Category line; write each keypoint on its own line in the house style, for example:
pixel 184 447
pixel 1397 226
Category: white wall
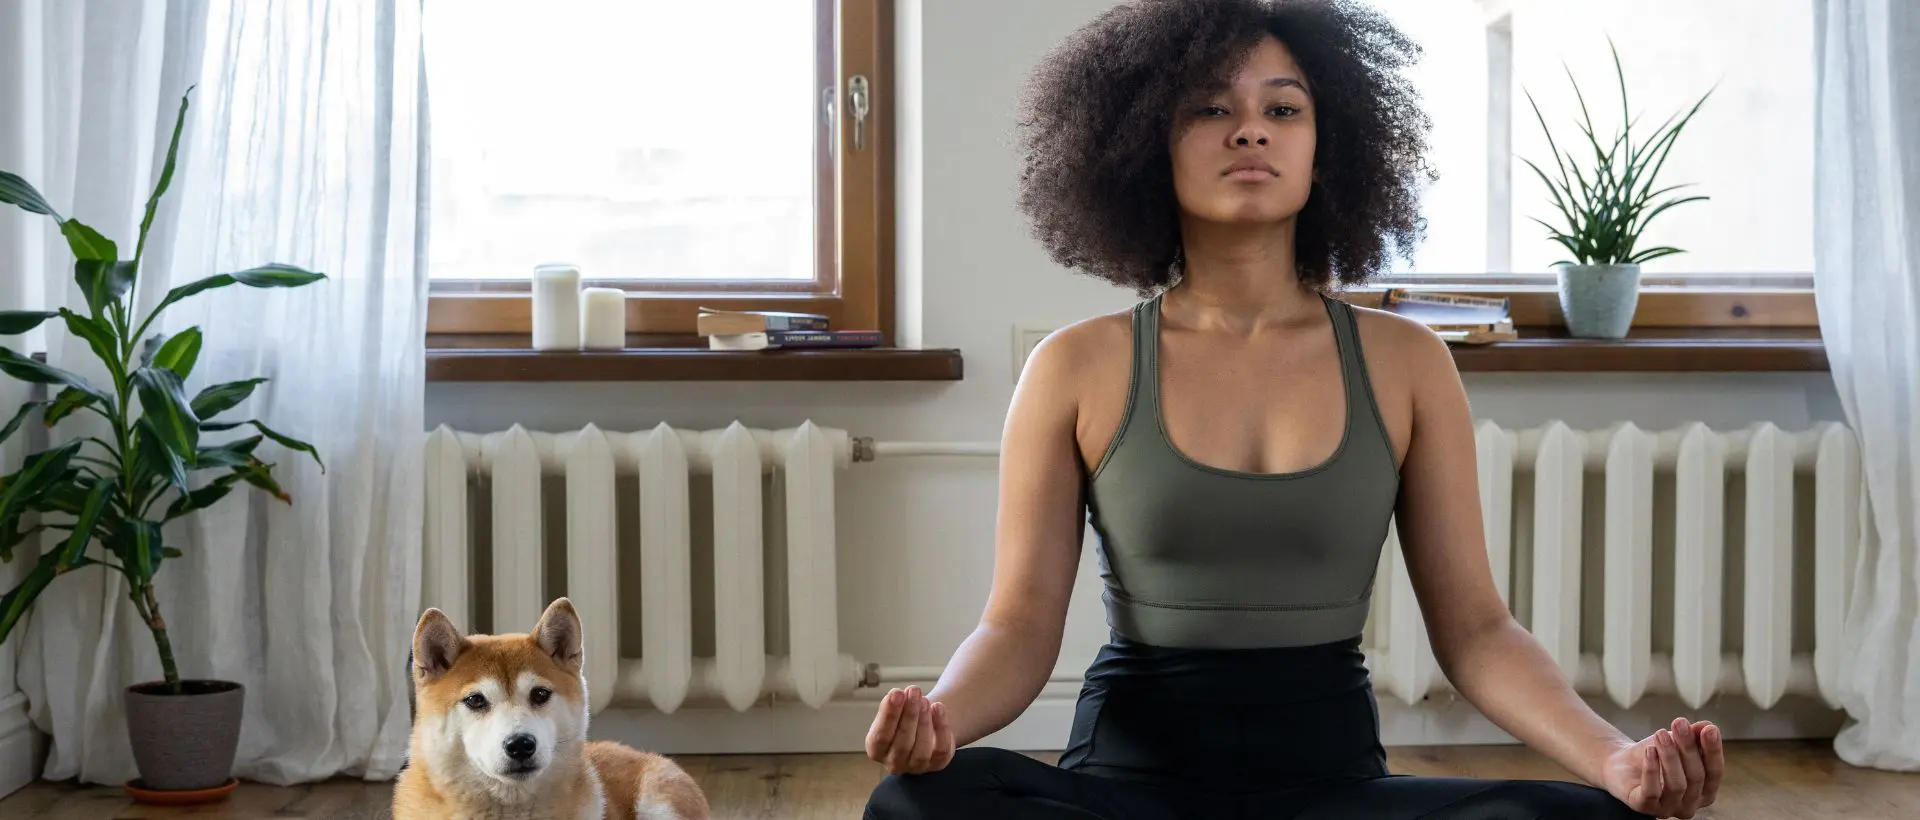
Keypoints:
pixel 916 535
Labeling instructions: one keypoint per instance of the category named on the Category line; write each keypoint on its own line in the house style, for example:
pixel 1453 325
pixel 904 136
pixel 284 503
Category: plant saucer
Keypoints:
pixel 187 797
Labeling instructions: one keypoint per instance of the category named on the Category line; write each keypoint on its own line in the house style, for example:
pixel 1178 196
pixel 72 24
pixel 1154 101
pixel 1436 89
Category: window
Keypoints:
pixel 1750 148
pixel 732 155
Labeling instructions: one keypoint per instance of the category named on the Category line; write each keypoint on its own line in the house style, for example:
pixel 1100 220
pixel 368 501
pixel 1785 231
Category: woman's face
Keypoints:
pixel 1244 153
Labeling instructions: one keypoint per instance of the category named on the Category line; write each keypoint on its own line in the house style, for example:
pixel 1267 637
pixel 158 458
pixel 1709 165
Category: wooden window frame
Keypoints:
pixel 854 282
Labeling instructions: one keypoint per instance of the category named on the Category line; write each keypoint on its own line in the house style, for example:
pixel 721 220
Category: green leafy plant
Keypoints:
pixel 1608 204
pixel 109 491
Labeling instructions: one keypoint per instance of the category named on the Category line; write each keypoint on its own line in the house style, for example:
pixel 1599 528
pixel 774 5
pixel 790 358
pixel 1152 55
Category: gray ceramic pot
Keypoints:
pixel 1599 300
pixel 186 741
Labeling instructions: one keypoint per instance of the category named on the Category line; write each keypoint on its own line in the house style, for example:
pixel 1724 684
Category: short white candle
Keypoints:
pixel 556 307
pixel 603 314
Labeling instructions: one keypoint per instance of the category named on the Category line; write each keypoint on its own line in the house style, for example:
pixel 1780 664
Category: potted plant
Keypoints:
pixel 108 496
pixel 1607 206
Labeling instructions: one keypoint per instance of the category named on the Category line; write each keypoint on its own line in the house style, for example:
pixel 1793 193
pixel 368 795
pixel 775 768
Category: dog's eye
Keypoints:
pixel 475 701
pixel 540 695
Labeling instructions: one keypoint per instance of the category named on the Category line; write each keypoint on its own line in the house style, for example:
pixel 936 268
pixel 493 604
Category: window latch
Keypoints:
pixel 827 114
pixel 857 105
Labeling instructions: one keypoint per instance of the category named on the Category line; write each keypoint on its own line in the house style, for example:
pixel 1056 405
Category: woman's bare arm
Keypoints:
pixel 1487 655
pixel 1001 667
pixel 1493 661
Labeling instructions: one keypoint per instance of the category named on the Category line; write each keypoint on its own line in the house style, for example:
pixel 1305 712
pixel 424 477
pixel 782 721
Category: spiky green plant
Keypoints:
pixel 1608 205
pixel 106 492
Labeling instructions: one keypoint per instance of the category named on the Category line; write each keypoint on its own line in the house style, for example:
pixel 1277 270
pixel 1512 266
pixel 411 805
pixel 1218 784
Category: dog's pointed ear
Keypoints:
pixel 436 644
pixel 558 634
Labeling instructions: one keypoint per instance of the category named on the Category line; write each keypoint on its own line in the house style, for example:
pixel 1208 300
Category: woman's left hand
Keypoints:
pixel 1674 772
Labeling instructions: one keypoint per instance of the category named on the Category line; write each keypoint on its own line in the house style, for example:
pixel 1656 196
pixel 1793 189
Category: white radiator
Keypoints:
pixel 1668 487
pixel 665 461
pixel 1578 523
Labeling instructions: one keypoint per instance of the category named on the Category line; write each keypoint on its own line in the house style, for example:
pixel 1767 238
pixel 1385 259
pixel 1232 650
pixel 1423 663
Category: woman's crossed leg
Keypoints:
pixel 996 784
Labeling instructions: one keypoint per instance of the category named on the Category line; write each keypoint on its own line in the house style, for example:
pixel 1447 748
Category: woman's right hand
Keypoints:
pixel 910 735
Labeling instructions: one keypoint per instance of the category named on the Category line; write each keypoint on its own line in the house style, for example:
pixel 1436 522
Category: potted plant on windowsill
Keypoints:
pixel 108 496
pixel 1606 208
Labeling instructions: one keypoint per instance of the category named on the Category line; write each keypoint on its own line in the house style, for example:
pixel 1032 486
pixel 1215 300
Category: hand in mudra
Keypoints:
pixel 910 735
pixel 1674 772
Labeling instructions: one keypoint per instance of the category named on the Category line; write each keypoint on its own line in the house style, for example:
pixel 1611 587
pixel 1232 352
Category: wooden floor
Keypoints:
pixel 1765 781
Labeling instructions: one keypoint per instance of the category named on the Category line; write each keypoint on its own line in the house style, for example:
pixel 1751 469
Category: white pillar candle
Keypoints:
pixel 556 307
pixel 603 316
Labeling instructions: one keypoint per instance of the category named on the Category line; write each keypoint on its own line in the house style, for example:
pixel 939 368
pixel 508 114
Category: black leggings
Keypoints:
pixel 1160 734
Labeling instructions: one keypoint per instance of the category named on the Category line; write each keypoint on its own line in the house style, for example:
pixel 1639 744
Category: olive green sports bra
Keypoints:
pixel 1201 557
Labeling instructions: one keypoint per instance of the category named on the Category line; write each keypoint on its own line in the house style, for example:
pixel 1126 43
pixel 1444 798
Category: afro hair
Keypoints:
pixel 1097 183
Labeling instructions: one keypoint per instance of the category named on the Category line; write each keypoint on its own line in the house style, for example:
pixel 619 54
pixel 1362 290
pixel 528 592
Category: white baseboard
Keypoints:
pixel 19 745
pixel 842 725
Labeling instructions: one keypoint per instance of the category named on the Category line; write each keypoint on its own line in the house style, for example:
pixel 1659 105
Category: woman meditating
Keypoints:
pixel 1241 443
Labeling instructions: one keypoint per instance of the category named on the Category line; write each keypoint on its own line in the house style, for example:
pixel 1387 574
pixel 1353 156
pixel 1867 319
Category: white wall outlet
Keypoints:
pixel 1025 338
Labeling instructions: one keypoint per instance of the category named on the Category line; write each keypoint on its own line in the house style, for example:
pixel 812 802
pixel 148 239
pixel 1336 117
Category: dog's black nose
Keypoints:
pixel 520 747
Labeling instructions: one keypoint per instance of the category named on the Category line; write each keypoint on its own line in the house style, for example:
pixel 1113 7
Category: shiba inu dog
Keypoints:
pixel 500 731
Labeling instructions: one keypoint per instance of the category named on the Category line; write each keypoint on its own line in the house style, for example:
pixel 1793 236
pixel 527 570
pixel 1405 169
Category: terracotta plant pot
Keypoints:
pixel 184 742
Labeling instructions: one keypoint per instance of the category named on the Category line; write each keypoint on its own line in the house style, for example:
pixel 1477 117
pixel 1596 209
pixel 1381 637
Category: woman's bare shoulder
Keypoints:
pixel 1408 349
pixel 1409 369
pixel 1081 352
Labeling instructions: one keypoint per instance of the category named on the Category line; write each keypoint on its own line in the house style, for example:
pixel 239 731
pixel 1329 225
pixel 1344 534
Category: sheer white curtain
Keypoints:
pixel 83 118
pixel 304 147
pixel 1867 282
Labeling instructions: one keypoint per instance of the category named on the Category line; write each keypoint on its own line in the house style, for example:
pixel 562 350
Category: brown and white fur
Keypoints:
pixel 500 733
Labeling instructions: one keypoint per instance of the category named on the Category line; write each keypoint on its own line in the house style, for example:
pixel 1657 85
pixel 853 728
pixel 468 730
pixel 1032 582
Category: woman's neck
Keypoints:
pixel 1240 280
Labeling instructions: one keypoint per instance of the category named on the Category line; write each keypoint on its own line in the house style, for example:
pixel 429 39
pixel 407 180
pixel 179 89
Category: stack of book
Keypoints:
pixel 774 330
pixel 1457 318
